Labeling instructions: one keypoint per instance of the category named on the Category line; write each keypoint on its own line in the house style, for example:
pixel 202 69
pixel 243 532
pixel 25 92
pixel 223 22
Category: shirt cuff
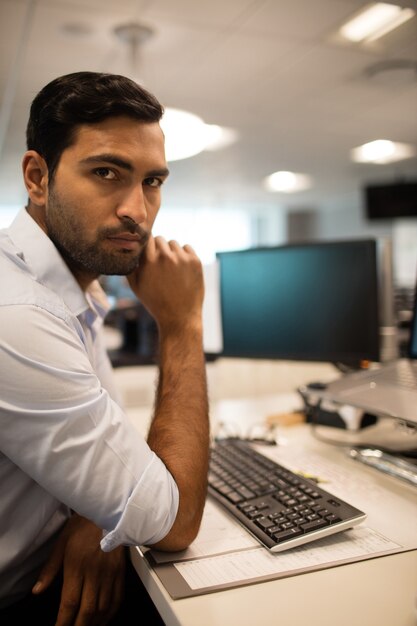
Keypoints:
pixel 150 511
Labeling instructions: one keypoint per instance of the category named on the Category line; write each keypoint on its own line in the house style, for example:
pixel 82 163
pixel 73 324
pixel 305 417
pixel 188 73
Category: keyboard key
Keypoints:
pixel 246 493
pixel 234 496
pixel 315 525
pixel 291 533
pixel 332 519
pixel 264 522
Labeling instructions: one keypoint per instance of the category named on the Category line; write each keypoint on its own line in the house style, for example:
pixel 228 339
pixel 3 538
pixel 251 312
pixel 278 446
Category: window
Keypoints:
pixel 207 230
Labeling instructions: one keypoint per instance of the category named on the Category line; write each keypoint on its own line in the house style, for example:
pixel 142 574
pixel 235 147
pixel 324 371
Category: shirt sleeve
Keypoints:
pixel 62 428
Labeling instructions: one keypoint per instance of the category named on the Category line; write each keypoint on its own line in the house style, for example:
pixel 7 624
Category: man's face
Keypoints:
pixel 105 196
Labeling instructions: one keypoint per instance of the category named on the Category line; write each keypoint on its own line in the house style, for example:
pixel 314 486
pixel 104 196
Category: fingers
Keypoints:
pixel 174 245
pixel 51 568
pixel 167 247
pixel 69 608
pixel 150 248
pixel 110 600
pixel 89 601
pixel 169 282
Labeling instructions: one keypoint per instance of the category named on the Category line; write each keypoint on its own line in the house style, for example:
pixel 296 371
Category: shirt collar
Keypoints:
pixel 50 269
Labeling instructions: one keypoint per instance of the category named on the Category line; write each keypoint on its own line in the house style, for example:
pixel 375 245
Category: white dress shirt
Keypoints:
pixel 65 442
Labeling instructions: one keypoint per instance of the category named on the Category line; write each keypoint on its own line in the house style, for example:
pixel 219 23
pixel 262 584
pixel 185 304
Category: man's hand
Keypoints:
pixel 93 580
pixel 169 283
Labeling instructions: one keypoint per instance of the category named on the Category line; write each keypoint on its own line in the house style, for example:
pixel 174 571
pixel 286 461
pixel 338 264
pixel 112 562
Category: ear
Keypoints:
pixel 35 175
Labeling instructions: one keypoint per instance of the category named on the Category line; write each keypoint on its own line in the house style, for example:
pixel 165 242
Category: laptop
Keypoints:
pixel 387 391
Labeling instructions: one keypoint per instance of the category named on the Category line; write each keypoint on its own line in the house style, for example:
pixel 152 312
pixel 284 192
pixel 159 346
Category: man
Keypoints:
pixel 78 483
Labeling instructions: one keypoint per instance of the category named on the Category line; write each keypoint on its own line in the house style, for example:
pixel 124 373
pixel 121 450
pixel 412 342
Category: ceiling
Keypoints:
pixel 269 69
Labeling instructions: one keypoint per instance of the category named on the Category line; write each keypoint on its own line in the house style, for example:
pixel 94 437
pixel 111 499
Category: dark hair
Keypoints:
pixel 83 98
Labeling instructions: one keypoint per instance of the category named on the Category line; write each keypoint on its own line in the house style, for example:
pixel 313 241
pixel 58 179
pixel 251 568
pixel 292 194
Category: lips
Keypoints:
pixel 127 241
pixel 126 237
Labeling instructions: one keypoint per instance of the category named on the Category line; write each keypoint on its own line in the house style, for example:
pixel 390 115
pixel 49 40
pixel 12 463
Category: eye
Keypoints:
pixel 105 172
pixel 153 181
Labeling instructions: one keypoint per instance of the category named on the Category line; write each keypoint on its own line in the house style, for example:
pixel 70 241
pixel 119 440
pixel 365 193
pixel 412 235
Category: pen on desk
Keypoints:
pixel 385 463
pixel 315 479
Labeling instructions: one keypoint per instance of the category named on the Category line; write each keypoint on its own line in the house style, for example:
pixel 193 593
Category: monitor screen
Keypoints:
pixel 312 301
pixel 390 201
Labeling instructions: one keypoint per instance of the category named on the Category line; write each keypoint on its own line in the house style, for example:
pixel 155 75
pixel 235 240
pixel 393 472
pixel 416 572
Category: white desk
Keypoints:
pixel 375 592
pixel 379 592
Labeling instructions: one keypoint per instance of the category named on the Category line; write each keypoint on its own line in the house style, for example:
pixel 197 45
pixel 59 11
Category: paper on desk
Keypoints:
pixel 218 534
pixel 226 569
pixel 390 529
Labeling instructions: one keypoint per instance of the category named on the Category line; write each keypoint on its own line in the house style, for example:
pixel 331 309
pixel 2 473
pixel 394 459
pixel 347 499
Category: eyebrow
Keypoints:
pixel 126 165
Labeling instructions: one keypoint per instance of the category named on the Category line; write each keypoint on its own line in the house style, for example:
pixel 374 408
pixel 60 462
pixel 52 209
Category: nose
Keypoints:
pixel 133 206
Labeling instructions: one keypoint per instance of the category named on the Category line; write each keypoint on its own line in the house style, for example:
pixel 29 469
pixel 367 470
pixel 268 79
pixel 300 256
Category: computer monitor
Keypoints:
pixel 391 200
pixel 313 301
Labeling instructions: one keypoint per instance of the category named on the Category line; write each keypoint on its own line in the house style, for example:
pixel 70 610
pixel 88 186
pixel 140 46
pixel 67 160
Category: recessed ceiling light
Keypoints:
pixel 287 182
pixel 187 134
pixel 382 151
pixel 219 137
pixel 375 21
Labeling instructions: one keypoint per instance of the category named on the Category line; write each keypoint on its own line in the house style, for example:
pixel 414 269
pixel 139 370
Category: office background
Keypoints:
pixel 273 73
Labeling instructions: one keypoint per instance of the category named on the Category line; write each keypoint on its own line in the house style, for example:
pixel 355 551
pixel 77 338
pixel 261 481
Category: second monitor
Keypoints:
pixel 312 301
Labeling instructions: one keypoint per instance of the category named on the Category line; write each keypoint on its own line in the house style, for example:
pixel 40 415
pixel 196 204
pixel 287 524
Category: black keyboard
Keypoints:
pixel 277 506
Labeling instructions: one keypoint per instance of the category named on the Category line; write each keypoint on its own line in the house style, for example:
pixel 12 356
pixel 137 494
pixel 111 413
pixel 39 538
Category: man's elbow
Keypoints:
pixel 181 535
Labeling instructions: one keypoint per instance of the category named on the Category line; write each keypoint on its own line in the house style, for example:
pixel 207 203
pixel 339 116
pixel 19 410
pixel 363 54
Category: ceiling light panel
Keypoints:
pixel 287 182
pixel 187 134
pixel 375 21
pixel 382 151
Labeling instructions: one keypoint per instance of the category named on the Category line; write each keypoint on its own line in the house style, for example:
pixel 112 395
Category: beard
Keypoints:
pixel 66 232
